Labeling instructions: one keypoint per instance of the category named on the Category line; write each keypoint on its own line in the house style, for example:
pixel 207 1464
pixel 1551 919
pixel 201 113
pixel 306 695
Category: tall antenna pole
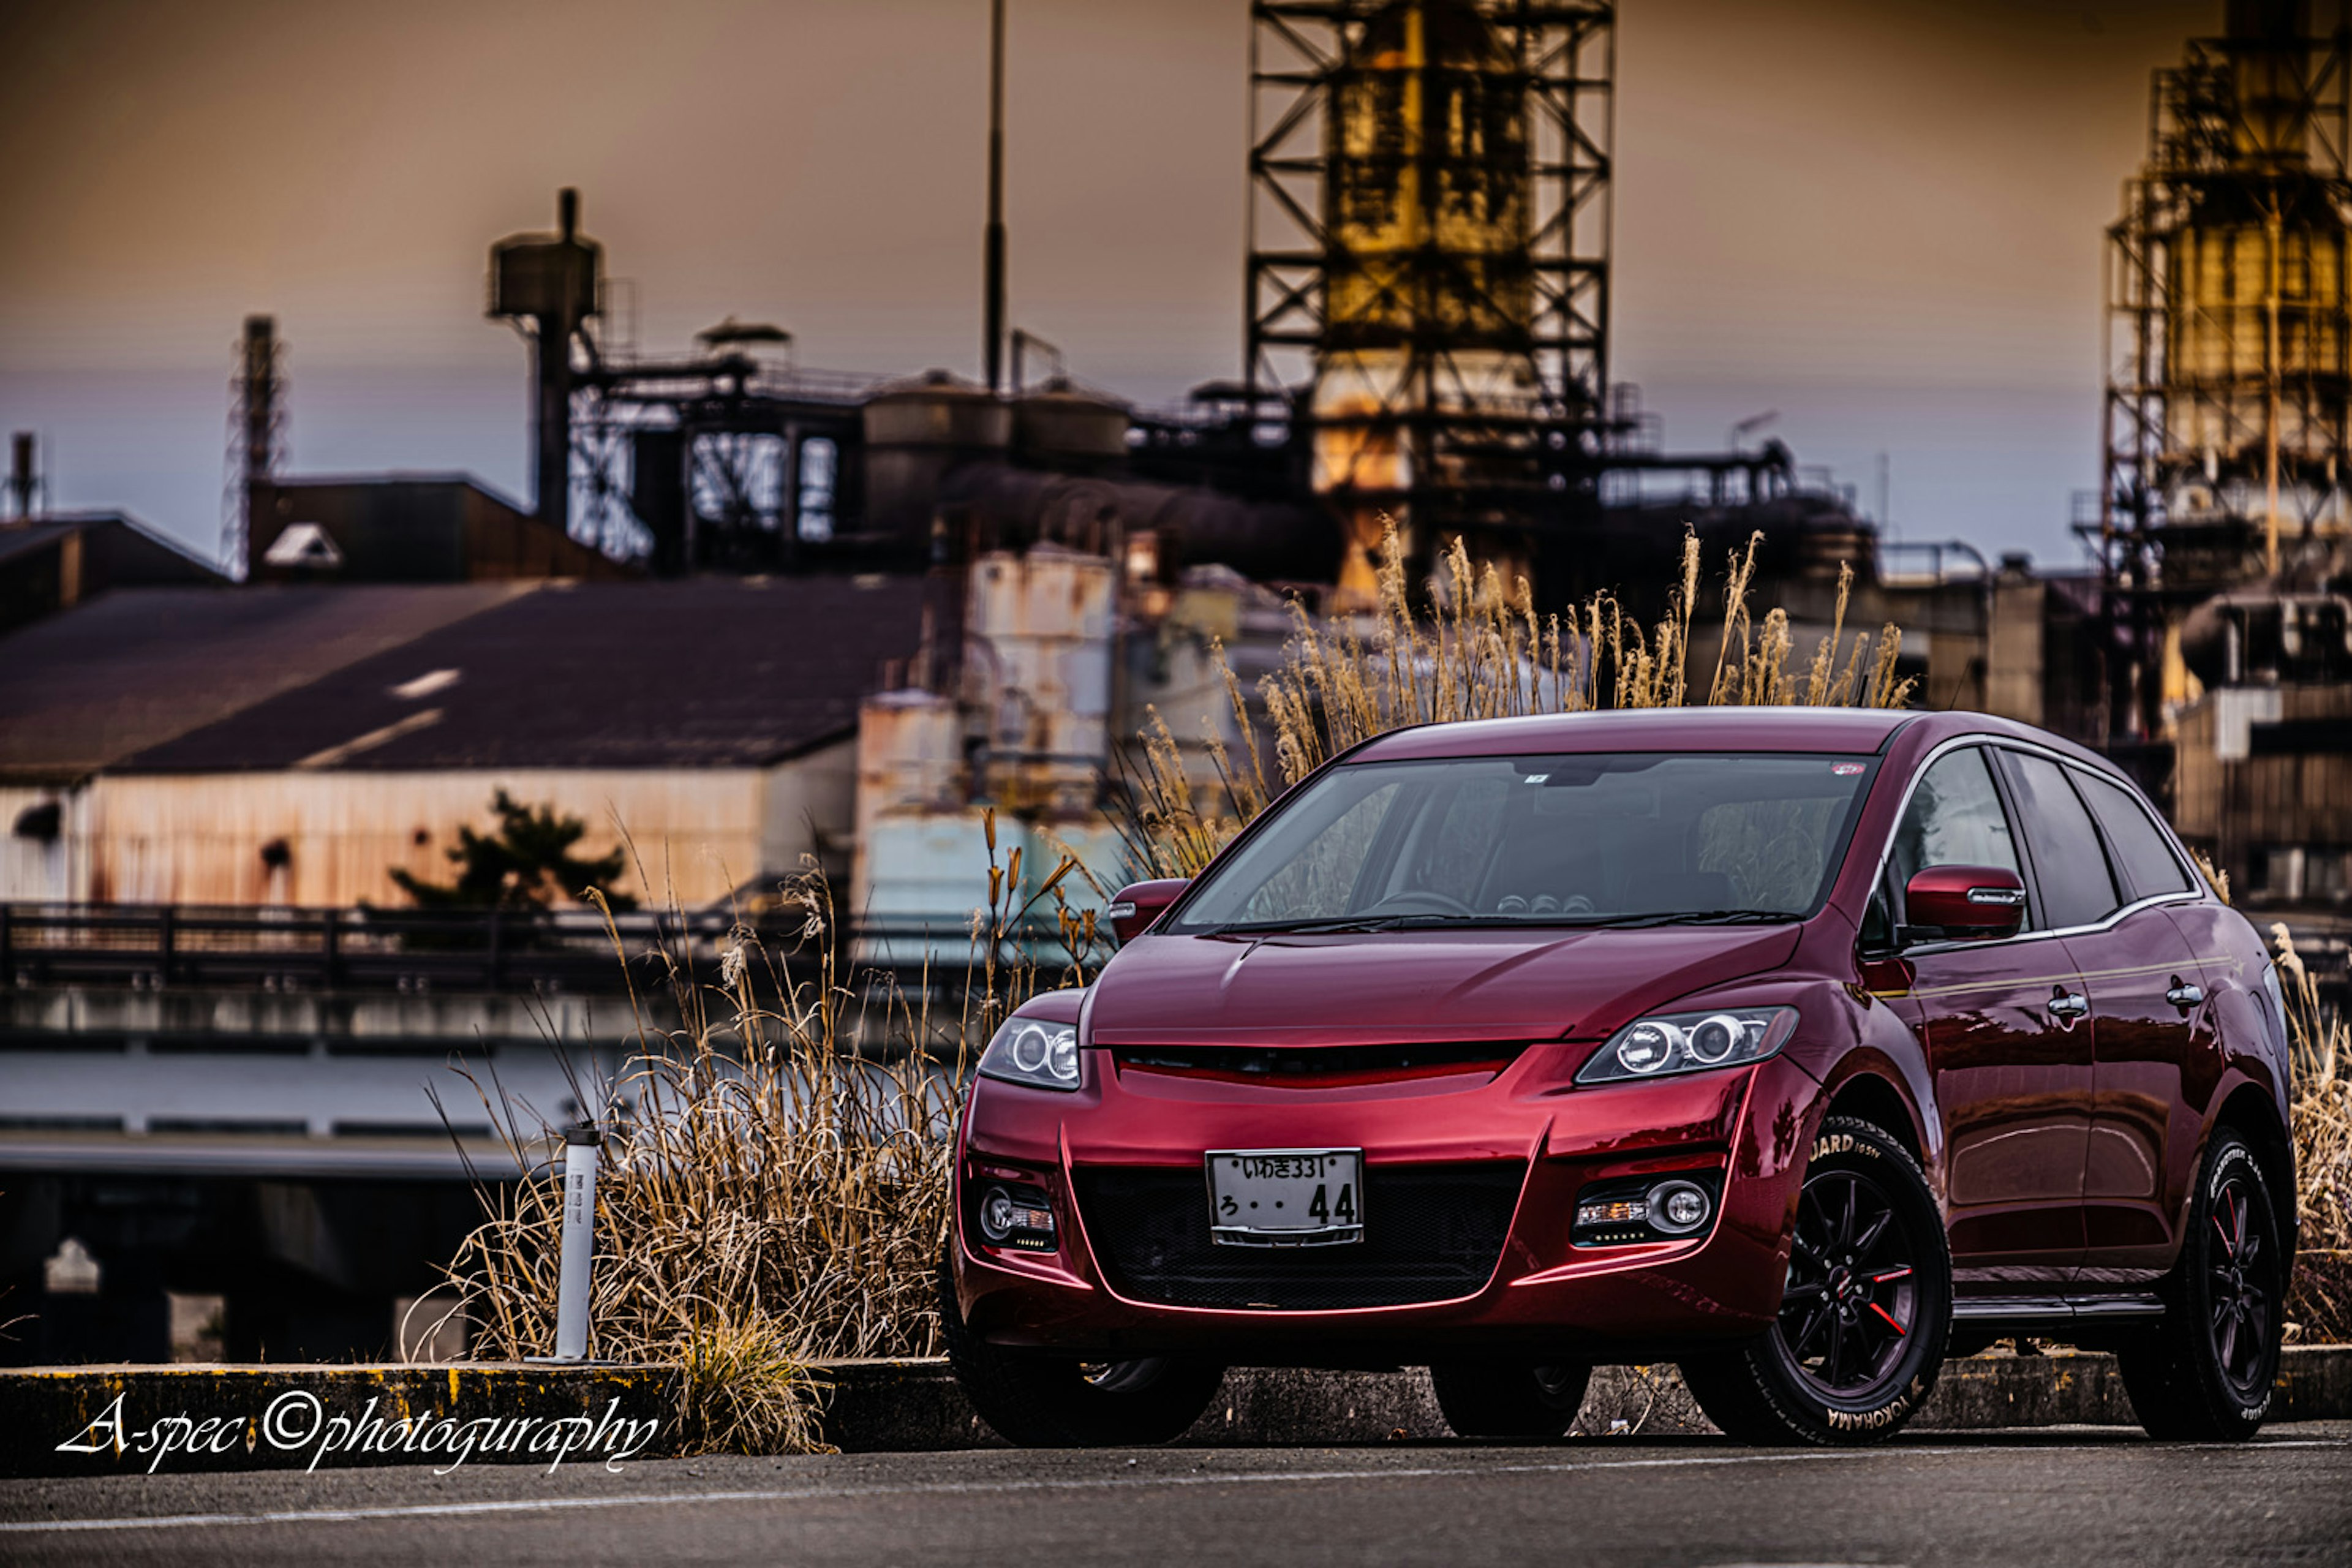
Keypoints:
pixel 992 263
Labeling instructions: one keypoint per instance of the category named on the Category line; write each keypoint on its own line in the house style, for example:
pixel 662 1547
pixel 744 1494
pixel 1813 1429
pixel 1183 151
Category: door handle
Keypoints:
pixel 2185 993
pixel 2068 1006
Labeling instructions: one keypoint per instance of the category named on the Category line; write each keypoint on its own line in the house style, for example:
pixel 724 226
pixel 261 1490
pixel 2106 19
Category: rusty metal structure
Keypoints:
pixel 1428 268
pixel 2228 428
pixel 550 286
pixel 257 434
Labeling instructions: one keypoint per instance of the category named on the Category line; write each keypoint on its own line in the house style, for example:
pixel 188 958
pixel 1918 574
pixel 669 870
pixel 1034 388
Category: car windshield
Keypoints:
pixel 1584 838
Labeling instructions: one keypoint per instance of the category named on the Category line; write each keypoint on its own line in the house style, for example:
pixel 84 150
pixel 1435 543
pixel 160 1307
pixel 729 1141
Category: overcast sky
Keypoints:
pixel 1880 217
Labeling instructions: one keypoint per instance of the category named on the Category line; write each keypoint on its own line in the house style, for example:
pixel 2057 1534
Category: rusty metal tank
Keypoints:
pixel 916 432
pixel 1060 426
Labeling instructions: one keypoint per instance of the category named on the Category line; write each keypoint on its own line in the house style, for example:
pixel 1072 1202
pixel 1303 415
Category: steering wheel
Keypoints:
pixel 1415 899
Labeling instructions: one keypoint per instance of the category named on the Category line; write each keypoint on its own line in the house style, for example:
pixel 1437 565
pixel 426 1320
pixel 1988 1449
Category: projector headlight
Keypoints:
pixel 1032 1051
pixel 1689 1042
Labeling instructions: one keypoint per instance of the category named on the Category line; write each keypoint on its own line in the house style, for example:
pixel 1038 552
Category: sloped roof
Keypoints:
pixel 704 672
pixel 132 668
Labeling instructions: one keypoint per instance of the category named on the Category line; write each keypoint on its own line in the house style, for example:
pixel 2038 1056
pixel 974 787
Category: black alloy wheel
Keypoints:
pixel 1037 1401
pixel 2238 1317
pixel 1509 1399
pixel 1864 1312
pixel 2206 1371
pixel 1853 1296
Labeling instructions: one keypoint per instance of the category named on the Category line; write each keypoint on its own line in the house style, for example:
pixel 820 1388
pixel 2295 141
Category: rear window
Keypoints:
pixel 2138 843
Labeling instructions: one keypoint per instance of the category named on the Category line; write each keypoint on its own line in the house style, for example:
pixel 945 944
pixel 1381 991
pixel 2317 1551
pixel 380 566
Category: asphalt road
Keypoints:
pixel 2075 1496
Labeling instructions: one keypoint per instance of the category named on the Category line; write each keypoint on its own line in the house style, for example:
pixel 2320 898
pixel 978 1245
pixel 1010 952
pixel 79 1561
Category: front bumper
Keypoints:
pixel 1749 1125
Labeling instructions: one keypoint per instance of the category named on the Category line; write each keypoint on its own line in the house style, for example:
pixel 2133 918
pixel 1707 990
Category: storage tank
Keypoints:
pixel 914 433
pixel 1060 427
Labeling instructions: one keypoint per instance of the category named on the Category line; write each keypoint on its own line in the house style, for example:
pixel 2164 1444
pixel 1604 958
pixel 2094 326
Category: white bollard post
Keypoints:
pixel 580 1149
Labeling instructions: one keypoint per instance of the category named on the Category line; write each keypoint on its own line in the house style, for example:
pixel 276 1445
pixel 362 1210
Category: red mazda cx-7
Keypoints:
pixel 1802 1047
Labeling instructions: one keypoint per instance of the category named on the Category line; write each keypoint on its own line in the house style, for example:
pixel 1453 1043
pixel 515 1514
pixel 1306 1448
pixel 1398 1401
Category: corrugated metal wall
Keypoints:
pixel 199 839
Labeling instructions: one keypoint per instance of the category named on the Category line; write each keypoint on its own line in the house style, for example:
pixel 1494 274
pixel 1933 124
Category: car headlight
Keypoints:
pixel 1035 1052
pixel 1689 1042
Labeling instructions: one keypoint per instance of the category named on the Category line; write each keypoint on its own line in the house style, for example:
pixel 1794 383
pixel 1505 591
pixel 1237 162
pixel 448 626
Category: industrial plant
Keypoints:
pixel 757 616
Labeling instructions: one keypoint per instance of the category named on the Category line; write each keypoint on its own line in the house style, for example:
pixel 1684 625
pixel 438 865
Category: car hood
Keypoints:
pixel 1401 987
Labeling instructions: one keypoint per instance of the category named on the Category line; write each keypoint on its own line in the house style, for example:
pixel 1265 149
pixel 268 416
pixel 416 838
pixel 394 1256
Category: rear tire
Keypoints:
pixel 1865 1311
pixel 2205 1373
pixel 1034 1401
pixel 1509 1399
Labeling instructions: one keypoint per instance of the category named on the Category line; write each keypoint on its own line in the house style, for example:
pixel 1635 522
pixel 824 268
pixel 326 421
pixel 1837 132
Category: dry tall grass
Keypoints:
pixel 2319 1300
pixel 1484 656
pixel 774 1186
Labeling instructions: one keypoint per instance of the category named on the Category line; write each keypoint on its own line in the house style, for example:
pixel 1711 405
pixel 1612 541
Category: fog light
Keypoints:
pixel 1678 1208
pixel 1021 1218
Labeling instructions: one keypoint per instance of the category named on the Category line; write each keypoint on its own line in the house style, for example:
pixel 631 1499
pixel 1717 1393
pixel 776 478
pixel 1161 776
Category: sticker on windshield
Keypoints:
pixel 1846 770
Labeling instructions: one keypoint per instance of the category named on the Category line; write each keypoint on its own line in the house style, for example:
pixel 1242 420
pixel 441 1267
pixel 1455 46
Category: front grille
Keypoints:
pixel 1430 1233
pixel 1319 1067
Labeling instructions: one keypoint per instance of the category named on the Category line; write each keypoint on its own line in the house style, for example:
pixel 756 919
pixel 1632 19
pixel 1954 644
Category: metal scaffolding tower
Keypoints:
pixel 2228 431
pixel 1428 267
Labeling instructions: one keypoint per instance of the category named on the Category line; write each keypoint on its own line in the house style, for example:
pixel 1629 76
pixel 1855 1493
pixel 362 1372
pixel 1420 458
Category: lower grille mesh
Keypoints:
pixel 1430 1233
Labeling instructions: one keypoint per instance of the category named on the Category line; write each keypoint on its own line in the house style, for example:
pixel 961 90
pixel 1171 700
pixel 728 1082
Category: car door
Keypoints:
pixel 2149 998
pixel 2013 1079
pixel 2079 896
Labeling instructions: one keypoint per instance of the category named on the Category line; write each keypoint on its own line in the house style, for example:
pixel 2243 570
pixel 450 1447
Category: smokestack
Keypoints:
pixel 567 211
pixel 23 481
pixel 258 377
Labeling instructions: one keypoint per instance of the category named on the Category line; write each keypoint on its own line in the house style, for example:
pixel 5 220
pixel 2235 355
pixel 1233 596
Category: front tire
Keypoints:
pixel 1509 1399
pixel 1060 1402
pixel 1864 1313
pixel 2205 1373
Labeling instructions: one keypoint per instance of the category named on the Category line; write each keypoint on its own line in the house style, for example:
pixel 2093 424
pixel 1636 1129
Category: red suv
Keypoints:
pixel 1803 1048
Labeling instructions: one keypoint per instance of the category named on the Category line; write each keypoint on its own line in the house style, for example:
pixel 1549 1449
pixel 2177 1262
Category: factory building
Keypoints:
pixel 711 722
pixel 53 562
pixel 409 527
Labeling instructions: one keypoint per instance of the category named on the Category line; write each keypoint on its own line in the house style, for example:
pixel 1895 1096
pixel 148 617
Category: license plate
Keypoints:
pixel 1286 1197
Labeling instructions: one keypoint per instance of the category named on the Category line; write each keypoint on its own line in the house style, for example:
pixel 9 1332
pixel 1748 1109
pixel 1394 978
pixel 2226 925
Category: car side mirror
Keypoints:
pixel 1964 902
pixel 1140 903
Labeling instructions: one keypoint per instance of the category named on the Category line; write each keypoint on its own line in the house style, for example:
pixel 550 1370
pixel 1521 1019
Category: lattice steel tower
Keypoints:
pixel 1428 268
pixel 2229 395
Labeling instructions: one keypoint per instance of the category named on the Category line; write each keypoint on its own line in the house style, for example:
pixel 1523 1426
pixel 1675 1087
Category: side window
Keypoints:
pixel 2147 861
pixel 1955 818
pixel 2077 886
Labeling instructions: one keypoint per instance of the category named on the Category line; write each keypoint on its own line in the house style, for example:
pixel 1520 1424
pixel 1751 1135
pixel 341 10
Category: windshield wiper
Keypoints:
pixel 1702 918
pixel 1342 923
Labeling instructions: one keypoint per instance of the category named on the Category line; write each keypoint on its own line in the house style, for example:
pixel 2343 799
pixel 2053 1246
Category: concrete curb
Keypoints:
pixel 115 1420
pixel 883 1406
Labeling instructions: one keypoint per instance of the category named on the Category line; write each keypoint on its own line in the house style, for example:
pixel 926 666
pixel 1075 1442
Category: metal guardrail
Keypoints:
pixel 470 950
